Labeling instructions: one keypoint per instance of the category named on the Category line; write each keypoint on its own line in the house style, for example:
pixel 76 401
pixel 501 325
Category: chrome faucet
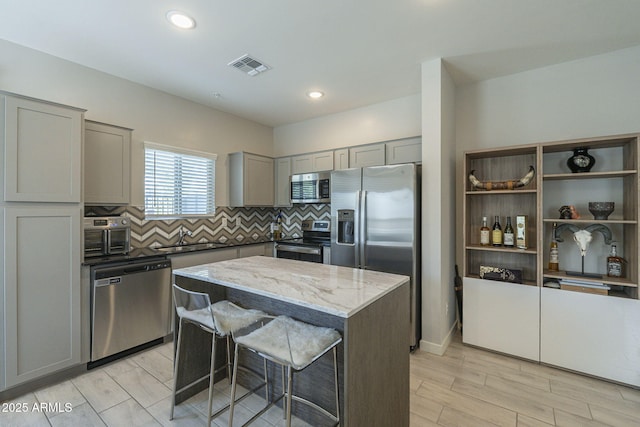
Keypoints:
pixel 182 234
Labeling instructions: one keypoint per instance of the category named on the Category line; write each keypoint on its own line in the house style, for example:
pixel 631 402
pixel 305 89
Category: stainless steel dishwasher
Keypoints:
pixel 130 305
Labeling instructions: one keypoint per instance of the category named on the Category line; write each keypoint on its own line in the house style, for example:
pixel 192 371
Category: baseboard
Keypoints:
pixel 440 348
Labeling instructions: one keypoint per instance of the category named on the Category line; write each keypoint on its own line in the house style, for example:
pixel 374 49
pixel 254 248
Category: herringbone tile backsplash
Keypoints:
pixel 241 223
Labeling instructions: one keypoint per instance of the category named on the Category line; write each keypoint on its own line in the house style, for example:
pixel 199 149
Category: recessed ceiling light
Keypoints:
pixel 315 94
pixel 180 20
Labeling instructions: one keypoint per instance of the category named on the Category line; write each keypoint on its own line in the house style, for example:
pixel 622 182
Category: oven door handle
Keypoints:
pixel 298 249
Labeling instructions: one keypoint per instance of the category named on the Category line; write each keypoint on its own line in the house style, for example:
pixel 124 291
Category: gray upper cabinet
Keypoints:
pixel 107 164
pixel 367 155
pixel 341 159
pixel 43 150
pixel 312 162
pixel 283 174
pixel 251 180
pixel 408 150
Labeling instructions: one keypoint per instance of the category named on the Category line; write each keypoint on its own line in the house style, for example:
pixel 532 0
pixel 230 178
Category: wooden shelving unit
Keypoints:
pixel 575 329
pixel 615 174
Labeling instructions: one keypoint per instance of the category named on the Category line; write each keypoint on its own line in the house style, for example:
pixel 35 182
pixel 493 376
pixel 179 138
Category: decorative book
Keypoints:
pixel 501 274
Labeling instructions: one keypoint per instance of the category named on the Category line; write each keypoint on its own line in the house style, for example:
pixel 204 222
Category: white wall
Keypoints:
pixel 438 206
pixel 588 97
pixel 155 116
pixel 395 119
pixel 591 97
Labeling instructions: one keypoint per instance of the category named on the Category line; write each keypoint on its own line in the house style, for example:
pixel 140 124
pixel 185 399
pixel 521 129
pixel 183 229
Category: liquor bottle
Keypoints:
pixel 508 234
pixel 496 233
pixel 484 232
pixel 277 233
pixel 614 263
pixel 554 264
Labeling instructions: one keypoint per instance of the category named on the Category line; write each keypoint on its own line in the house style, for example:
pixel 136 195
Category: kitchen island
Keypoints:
pixel 370 309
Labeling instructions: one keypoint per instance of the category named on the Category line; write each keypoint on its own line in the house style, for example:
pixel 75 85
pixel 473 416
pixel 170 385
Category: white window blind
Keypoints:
pixel 177 182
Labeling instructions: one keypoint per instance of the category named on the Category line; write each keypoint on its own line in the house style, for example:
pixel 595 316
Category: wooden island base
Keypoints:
pixel 373 359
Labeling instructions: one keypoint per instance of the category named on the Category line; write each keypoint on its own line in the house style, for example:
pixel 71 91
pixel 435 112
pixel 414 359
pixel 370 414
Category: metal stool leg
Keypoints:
pixel 284 393
pixel 212 371
pixel 234 383
pixel 229 358
pixel 335 377
pixel 175 369
pixel 266 381
pixel 289 393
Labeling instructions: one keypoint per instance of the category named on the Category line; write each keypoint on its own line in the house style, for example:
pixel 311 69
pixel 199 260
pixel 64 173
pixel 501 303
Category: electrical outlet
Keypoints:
pixel 446 308
pixel 224 221
pixel 238 221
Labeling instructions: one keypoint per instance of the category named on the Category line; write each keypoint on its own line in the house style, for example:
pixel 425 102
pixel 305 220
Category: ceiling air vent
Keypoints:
pixel 249 65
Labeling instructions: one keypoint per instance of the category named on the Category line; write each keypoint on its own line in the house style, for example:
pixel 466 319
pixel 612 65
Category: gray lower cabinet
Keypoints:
pixel 40 298
pixel 202 257
pixel 223 254
pixel 254 250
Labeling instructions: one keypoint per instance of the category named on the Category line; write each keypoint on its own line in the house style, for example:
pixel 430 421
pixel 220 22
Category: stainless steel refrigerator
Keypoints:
pixel 375 225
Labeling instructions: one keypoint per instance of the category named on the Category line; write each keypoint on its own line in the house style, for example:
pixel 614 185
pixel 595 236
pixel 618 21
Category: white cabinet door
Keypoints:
pixel 595 334
pixel 322 161
pixel 312 162
pixel 504 317
pixel 251 180
pixel 407 150
pixel 341 159
pixel 367 155
pixel 301 164
pixel 107 164
pixel 258 184
pixel 283 175
pixel 41 278
pixel 43 149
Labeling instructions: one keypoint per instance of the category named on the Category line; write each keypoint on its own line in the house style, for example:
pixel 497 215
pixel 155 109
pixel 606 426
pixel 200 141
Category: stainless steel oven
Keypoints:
pixel 106 235
pixel 314 246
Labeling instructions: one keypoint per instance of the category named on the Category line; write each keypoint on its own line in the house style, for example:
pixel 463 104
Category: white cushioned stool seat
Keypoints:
pixel 305 342
pixel 229 318
pixel 294 345
pixel 223 317
pixel 220 319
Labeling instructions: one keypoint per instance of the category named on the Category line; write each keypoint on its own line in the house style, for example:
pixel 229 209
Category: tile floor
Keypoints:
pixel 465 387
pixel 471 387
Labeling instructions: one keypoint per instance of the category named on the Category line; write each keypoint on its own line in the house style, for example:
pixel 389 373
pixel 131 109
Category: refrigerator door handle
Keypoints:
pixel 362 222
pixel 356 229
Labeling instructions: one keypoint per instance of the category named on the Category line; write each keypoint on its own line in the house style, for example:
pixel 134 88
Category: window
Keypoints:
pixel 178 182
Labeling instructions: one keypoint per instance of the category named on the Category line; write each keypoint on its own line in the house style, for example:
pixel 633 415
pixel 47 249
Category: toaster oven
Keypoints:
pixel 104 236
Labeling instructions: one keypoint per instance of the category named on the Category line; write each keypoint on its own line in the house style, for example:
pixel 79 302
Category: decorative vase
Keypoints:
pixel 581 161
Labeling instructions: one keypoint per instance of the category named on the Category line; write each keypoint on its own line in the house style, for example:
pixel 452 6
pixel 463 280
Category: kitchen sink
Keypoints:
pixel 191 247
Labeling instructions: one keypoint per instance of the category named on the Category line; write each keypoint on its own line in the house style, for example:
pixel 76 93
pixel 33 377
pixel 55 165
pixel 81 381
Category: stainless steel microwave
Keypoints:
pixel 105 236
pixel 311 188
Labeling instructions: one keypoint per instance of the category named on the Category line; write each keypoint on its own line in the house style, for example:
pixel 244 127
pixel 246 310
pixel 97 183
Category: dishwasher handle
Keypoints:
pixel 123 270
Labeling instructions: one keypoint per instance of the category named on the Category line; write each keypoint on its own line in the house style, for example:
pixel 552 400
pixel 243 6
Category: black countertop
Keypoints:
pixel 141 253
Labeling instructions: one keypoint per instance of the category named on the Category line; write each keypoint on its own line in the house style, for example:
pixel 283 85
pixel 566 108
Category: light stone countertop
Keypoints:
pixel 340 291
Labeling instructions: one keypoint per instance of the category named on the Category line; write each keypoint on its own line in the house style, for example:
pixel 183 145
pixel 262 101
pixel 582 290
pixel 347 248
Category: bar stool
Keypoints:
pixel 220 319
pixel 291 344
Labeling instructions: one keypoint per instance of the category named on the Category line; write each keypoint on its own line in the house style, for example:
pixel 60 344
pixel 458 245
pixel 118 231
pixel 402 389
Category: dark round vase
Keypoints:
pixel 581 161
